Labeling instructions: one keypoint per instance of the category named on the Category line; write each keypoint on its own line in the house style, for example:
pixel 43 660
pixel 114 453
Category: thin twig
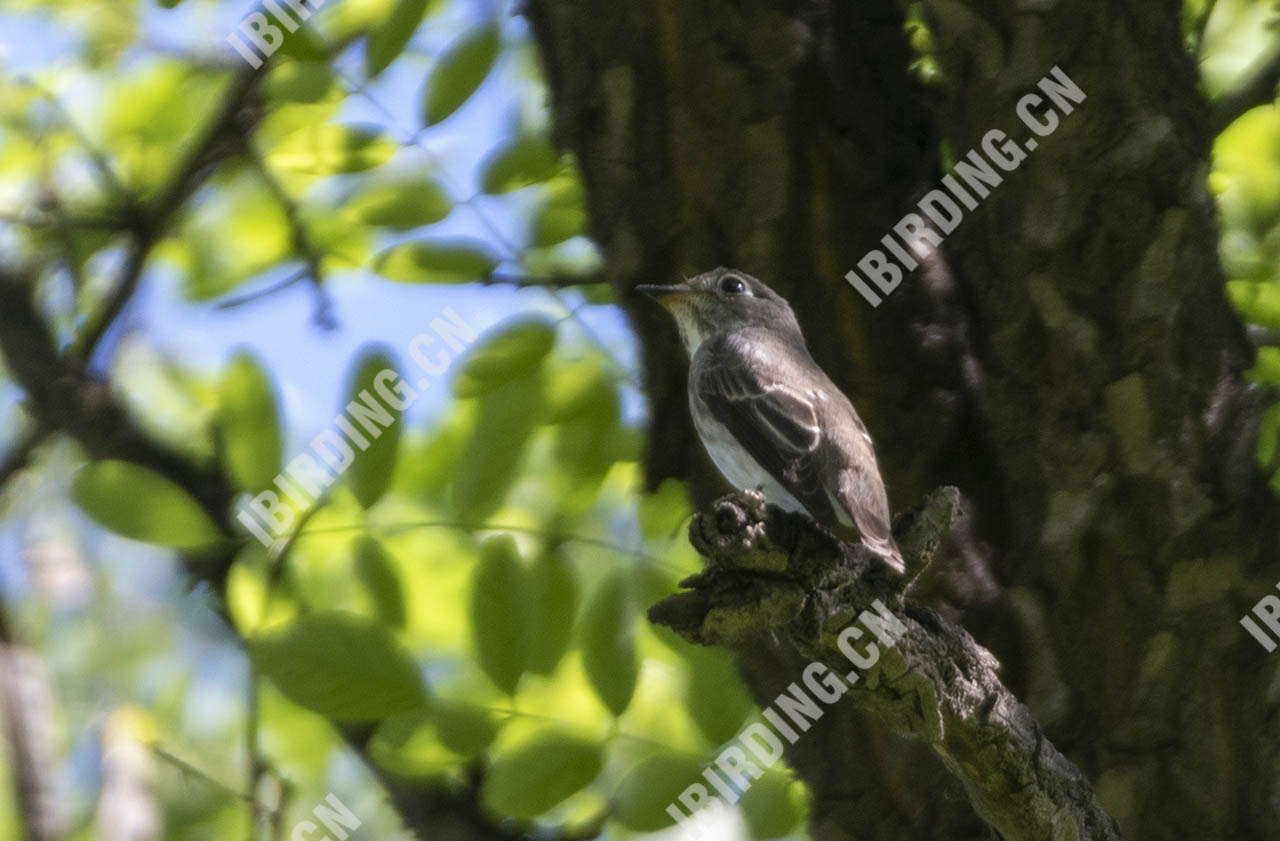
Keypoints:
pixel 512 253
pixel 101 163
pixel 17 457
pixel 595 340
pixel 475 527
pixel 154 217
pixel 31 779
pixel 62 396
pixel 299 238
pixel 250 297
pixel 525 281
pixel 192 771
pixel 280 550
pixel 282 809
pixel 33 218
pixel 257 764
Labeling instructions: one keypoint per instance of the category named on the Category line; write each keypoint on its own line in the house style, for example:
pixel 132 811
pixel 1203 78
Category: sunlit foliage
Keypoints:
pixel 474 589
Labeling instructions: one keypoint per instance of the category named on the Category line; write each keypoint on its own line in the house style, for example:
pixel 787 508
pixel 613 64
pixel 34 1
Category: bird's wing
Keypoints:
pixel 863 496
pixel 776 424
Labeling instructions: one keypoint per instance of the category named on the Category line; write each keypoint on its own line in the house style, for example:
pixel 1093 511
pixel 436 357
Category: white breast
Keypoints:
pixel 734 462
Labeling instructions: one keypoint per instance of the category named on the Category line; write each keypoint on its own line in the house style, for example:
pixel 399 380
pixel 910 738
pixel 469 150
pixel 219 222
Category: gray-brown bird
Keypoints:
pixel 769 417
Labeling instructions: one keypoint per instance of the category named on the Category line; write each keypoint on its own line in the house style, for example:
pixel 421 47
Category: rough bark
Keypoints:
pixel 774 576
pixel 1111 385
pixel 1074 367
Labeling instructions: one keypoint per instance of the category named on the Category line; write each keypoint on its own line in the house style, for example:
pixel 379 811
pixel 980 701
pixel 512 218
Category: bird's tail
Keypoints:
pixel 884 548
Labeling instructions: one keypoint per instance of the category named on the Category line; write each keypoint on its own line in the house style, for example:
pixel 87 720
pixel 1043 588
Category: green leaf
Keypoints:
pixel 505 418
pixel 773 806
pixel 642 798
pixel 248 424
pixel 328 149
pixel 608 642
pixel 574 261
pixel 459 72
pixel 402 205
pixel 299 81
pixel 500 616
pixel 532 778
pixel 562 213
pixel 579 388
pixel 436 261
pixel 246 592
pixel 554 597
pixel 651 584
pixel 241 212
pixel 714 695
pixel 303 44
pixel 512 350
pixel 664 510
pixel 523 160
pixel 1266 368
pixel 144 116
pixel 140 504
pixel 431 740
pixel 381 580
pixel 389 39
pixel 408 745
pixel 1269 437
pixel 584 449
pixel 465 729
pixel 369 384
pixel 1257 302
pixel 429 466
pixel 340 665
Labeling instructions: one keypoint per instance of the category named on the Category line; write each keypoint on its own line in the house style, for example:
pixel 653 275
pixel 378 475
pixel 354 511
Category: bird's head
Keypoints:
pixel 723 301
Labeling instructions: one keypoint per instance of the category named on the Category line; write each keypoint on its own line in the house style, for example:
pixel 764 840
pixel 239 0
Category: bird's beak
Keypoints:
pixel 664 295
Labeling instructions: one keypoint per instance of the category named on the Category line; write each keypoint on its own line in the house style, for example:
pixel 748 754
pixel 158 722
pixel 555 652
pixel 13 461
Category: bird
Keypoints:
pixel 769 417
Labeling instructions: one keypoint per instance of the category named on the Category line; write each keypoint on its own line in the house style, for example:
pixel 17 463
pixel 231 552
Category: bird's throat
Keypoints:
pixel 693 326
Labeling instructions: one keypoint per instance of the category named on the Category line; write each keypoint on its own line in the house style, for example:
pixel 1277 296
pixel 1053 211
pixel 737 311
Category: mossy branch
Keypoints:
pixel 776 575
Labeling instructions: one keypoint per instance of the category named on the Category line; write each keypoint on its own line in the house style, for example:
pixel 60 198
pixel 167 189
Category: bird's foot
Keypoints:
pixel 735 528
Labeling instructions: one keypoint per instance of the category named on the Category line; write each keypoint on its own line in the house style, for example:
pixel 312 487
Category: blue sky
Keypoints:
pixel 310 363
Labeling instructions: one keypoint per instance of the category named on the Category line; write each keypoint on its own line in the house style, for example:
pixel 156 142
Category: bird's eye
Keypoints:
pixel 732 284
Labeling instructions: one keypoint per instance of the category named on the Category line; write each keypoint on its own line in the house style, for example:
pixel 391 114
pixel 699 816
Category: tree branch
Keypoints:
pixel 63 396
pixel 25 728
pixel 775 574
pixel 219 136
pixel 312 258
pixel 524 281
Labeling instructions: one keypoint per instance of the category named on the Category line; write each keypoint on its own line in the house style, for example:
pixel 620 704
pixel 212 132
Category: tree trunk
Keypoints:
pixel 1072 366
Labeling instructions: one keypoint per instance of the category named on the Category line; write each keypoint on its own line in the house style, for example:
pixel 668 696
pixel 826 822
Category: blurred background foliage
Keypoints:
pixel 474 587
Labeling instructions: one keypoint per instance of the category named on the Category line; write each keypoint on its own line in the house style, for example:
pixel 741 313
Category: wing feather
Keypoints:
pixel 776 424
